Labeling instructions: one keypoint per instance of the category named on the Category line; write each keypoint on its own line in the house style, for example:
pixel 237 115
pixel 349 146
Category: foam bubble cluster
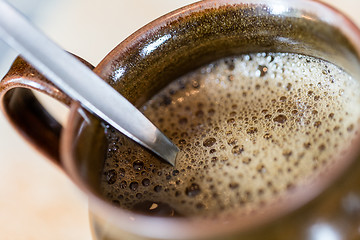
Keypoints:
pixel 250 129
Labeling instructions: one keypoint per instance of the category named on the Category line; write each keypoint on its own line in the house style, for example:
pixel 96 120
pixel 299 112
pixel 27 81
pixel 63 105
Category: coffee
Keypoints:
pixel 250 128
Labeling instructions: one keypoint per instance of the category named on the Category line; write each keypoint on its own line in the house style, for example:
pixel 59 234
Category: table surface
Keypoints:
pixel 37 201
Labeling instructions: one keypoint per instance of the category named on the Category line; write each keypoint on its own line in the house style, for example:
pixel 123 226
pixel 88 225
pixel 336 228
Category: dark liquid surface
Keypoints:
pixel 250 129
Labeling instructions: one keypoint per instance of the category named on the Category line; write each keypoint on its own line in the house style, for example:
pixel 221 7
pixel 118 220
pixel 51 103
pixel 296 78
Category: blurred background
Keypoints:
pixel 37 200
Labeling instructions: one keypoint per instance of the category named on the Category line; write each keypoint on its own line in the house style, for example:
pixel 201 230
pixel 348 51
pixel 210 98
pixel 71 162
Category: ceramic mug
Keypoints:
pixel 160 52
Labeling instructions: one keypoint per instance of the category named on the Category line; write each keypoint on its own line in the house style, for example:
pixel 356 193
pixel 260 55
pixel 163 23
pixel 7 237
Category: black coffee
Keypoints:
pixel 251 128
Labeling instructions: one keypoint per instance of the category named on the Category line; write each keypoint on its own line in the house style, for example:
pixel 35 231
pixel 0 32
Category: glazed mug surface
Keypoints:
pixel 165 49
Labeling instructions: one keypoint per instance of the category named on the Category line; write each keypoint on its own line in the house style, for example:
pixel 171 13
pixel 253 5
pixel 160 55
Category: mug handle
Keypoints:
pixel 25 112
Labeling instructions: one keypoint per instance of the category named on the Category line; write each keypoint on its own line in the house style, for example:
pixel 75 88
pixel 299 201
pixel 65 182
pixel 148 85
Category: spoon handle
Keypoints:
pixel 80 83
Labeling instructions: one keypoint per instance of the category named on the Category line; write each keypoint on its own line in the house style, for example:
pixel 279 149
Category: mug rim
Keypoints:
pixel 197 226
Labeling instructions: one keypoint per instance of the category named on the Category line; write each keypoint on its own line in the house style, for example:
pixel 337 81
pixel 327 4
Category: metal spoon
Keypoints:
pixel 80 83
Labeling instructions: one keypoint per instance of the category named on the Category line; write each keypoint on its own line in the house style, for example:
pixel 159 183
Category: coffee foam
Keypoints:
pixel 250 128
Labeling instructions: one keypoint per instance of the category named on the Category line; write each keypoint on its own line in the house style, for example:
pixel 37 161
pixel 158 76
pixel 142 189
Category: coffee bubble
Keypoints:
pixel 111 176
pixel 193 190
pixel 209 142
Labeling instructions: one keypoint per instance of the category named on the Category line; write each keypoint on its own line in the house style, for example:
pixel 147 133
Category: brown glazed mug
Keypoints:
pixel 167 48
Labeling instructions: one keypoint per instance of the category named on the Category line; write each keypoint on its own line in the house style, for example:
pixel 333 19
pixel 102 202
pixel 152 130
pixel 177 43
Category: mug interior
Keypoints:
pixel 184 40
